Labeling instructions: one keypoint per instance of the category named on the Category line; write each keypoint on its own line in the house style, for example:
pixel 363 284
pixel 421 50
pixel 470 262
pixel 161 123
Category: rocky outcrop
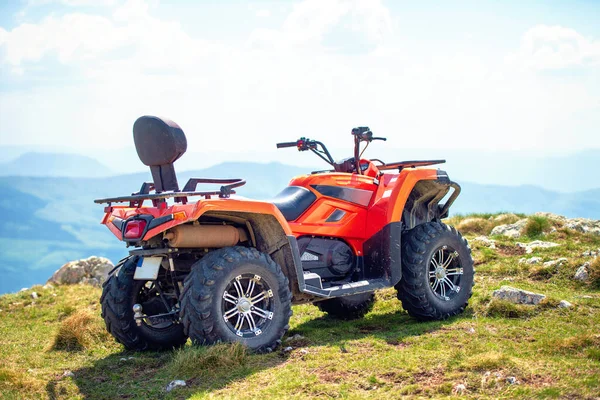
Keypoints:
pixel 487 242
pixel 511 230
pixel 518 296
pixel 93 271
pixel 583 225
pixel 531 260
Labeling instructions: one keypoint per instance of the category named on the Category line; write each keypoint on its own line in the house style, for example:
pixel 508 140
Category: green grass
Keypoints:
pixel 552 352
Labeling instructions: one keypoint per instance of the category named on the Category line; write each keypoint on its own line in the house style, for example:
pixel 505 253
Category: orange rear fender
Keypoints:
pixel 184 213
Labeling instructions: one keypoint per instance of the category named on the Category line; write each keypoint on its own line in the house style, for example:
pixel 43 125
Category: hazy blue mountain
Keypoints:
pixel 49 221
pixel 53 165
pixel 565 173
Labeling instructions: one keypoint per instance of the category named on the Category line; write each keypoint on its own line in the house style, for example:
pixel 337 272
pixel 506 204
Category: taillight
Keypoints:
pixel 135 229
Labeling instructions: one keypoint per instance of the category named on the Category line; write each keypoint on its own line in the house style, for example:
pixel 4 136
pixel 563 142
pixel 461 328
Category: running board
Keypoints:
pixel 347 289
pixel 310 283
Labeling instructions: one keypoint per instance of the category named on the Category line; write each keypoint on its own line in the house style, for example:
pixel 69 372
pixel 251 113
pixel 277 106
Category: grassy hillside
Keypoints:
pixel 551 352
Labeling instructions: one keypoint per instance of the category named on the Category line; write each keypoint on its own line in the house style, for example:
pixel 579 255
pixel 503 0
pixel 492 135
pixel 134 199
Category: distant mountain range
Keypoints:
pixel 569 172
pixel 55 165
pixel 48 221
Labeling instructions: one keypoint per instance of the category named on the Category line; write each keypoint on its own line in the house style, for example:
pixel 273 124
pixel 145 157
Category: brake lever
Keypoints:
pixel 379 138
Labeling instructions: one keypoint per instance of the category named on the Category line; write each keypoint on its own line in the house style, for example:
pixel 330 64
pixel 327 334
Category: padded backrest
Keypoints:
pixel 159 143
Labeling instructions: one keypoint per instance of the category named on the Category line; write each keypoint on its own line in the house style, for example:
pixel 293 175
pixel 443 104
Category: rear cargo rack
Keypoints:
pixel 189 190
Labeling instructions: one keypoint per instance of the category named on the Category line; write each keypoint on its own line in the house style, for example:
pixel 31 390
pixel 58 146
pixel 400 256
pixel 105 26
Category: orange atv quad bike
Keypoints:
pixel 229 269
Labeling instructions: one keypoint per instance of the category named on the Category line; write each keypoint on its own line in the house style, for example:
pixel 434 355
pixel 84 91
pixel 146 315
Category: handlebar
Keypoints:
pixel 286 144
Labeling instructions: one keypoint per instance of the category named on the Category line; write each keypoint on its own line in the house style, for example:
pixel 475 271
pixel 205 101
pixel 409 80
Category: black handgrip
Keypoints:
pixel 379 138
pixel 286 144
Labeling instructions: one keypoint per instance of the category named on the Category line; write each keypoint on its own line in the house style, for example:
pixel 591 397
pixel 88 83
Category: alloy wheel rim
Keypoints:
pixel 445 273
pixel 247 305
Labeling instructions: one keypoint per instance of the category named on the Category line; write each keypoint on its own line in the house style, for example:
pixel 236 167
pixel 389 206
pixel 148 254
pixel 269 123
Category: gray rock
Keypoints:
pixel 511 230
pixel 591 253
pixel 175 384
pixel 556 263
pixel 584 225
pixel 34 295
pixel 582 273
pixel 512 380
pixel 68 374
pixel 303 351
pixel 459 389
pixel 531 261
pixel 288 349
pixel 553 217
pixel 518 296
pixel 93 270
pixel 48 286
pixel 564 304
pixel 536 244
pixel 23 290
pixel 486 241
pixel 294 338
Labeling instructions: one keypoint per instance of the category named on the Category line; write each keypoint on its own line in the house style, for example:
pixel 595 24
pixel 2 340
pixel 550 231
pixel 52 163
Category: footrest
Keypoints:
pixel 312 279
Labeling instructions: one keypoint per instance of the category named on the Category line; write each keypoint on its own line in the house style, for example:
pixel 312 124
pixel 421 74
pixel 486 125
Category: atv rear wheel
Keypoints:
pixel 236 294
pixel 437 272
pixel 119 294
pixel 348 307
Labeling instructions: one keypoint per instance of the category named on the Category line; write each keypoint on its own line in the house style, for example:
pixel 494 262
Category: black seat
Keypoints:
pixel 293 201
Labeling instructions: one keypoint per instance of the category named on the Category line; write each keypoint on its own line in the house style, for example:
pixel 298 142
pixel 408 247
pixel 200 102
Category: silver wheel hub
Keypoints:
pixel 247 305
pixel 445 273
pixel 244 305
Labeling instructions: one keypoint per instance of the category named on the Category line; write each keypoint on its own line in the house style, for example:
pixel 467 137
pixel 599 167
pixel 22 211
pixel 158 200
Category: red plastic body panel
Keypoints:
pixel 389 193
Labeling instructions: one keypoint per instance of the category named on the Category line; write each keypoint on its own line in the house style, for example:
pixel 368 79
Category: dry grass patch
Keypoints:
pixel 475 226
pixel 594 271
pixel 81 330
pixel 193 360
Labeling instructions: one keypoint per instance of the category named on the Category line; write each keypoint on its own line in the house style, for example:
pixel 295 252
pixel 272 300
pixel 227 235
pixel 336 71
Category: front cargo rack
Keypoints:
pixel 189 190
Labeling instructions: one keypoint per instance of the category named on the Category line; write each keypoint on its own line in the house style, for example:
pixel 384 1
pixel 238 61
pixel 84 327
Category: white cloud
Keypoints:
pixel 264 13
pixel 546 47
pixel 281 84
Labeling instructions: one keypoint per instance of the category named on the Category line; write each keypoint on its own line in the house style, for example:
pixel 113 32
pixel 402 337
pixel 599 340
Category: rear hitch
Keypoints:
pixel 172 316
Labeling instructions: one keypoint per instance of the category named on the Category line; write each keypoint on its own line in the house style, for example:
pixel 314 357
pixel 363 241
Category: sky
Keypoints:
pixel 242 75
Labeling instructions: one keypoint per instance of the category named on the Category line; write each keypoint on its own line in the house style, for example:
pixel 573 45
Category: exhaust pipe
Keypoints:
pixel 203 236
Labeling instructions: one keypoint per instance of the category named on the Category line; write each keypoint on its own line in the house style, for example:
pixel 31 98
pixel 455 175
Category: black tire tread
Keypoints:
pixel 411 288
pixel 116 292
pixel 344 308
pixel 199 293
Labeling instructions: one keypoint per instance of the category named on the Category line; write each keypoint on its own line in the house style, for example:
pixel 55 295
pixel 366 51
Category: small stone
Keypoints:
pixel 459 389
pixel 288 349
pixel 555 263
pixel 531 261
pixel 23 290
pixel 518 296
pixel 564 304
pixel 536 244
pixel 296 337
pixel 68 374
pixel 303 351
pixel 471 331
pixel 174 384
pixel 587 296
pixel 122 359
pixel 34 295
pixel 30 371
pixel 582 273
pixel 486 241
pixel 512 380
pixel 54 295
pixel 48 286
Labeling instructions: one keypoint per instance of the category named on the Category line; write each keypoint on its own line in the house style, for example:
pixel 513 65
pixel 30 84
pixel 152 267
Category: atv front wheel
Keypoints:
pixel 236 294
pixel 437 272
pixel 348 307
pixel 119 294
